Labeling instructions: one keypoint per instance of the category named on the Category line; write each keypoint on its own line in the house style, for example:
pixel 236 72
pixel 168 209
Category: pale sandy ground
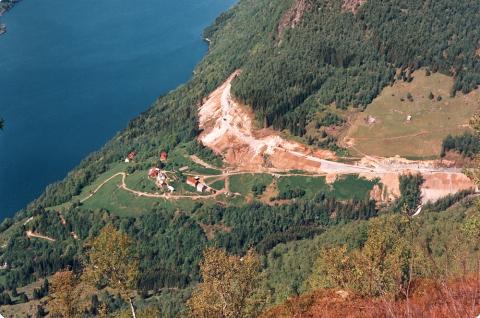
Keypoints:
pixel 228 129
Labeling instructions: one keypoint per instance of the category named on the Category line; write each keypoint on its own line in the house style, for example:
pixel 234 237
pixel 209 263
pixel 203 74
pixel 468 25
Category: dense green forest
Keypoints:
pixel 330 57
pixel 175 241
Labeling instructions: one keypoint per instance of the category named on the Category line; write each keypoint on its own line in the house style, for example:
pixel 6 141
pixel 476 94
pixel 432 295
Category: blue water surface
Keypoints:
pixel 73 73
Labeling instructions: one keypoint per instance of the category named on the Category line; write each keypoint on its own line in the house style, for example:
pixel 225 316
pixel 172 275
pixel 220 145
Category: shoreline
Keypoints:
pixel 12 207
pixel 5 6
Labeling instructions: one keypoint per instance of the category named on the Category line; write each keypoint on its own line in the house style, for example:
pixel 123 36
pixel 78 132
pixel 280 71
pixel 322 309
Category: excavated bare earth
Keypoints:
pixel 228 129
pixel 352 5
pixel 293 17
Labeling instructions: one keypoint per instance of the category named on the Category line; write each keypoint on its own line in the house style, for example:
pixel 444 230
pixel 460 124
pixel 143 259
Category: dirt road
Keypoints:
pixel 229 125
pixel 31 234
pixel 199 161
pixel 228 129
pixel 168 196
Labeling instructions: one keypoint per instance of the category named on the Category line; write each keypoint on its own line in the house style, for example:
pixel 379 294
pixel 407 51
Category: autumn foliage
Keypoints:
pixel 65 295
pixel 393 275
pixel 230 286
pixel 459 298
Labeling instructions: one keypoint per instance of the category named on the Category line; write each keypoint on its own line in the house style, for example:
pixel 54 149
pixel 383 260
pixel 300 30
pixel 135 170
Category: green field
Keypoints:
pixel 311 185
pixel 243 183
pixel 113 169
pixel 352 187
pixel 118 201
pixel 140 181
pixel 344 188
pixel 123 203
pixel 218 185
pixel 432 120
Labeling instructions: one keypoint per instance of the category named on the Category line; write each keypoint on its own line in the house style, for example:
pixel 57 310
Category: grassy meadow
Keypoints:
pixel 433 117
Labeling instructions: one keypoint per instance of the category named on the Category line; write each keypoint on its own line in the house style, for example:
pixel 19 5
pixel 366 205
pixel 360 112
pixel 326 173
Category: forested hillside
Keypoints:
pixel 331 57
pixel 297 57
pixel 344 58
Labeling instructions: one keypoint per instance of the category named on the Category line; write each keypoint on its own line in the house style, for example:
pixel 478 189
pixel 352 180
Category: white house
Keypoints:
pixel 201 187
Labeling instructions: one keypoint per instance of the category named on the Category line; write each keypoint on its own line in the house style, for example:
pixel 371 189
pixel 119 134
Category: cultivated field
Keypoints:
pixel 390 133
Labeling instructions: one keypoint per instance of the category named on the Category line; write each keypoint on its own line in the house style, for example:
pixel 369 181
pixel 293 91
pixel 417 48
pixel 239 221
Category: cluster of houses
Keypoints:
pixel 161 178
pixel 132 155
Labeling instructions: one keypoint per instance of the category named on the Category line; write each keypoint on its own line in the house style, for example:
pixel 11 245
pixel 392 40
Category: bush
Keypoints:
pixel 23 298
pixel 258 189
pixel 5 299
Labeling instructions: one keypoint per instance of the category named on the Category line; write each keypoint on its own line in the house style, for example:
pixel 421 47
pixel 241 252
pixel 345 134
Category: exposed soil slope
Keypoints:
pixel 352 5
pixel 228 129
pixel 293 17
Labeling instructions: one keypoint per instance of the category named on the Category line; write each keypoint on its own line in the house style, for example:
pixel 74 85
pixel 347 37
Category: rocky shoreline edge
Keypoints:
pixel 5 5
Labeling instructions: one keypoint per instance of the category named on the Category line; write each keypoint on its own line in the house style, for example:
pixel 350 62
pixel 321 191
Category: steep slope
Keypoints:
pixel 334 56
pixel 327 55
pixel 227 127
pixel 385 128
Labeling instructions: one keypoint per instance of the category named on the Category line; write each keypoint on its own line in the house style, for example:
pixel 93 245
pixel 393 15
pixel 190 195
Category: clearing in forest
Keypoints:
pixel 416 126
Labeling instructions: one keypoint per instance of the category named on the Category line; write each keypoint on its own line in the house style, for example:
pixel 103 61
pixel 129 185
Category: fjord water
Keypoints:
pixel 73 73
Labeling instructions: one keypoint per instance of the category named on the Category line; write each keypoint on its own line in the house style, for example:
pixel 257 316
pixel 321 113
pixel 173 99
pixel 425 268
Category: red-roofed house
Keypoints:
pixel 131 156
pixel 163 156
pixel 153 172
pixel 192 181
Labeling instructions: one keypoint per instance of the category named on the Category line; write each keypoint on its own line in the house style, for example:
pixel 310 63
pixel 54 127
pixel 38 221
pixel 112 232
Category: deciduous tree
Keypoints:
pixel 65 295
pixel 385 265
pixel 334 269
pixel 230 286
pixel 111 261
